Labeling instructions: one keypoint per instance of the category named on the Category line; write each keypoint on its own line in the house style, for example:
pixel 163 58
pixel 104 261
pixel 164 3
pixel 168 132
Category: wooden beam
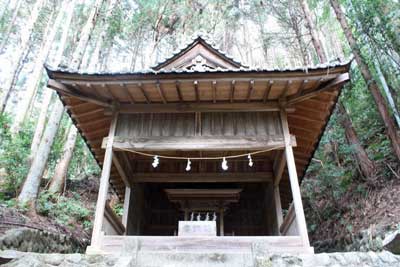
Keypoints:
pixel 232 94
pixel 214 87
pixel 130 95
pixel 289 218
pixel 77 106
pixel 94 122
pixel 199 107
pixel 279 167
pixel 87 113
pixel 339 80
pixel 59 87
pixel 306 118
pixel 127 163
pixel 126 177
pixel 250 90
pixel 125 213
pixel 267 91
pixel 212 76
pixel 161 92
pixel 221 222
pixel 285 89
pixel 196 90
pixel 109 92
pixel 104 183
pixel 140 85
pixel 198 143
pixel 113 219
pixel 204 177
pixel 278 208
pixel 101 132
pixel 301 88
pixel 294 182
pixel 178 91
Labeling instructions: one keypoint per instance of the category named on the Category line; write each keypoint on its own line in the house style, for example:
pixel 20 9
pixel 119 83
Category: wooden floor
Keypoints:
pixel 268 244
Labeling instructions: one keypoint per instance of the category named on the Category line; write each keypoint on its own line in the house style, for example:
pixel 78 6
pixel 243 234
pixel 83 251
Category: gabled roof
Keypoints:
pixel 87 97
pixel 199 55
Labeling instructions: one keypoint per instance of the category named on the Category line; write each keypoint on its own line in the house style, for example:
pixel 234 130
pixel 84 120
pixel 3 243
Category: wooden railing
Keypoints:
pixel 112 224
pixel 288 226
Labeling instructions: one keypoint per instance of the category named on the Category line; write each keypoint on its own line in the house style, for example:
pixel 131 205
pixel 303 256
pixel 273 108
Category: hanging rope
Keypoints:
pixel 199 158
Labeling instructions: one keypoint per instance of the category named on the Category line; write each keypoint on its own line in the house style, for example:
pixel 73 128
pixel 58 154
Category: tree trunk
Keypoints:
pixel 7 32
pixel 387 92
pixel 48 92
pixel 297 30
pixel 60 173
pixel 19 55
pixel 372 85
pixel 36 75
pixel 85 35
pixel 4 10
pixel 30 188
pixel 62 165
pixel 314 35
pixel 41 122
pixel 99 44
pixel 367 166
pixel 63 41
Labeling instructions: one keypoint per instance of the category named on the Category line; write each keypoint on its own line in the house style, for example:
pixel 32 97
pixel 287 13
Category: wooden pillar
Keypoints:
pixel 126 207
pixel 278 208
pixel 294 182
pixel 104 182
pixel 186 214
pixel 221 222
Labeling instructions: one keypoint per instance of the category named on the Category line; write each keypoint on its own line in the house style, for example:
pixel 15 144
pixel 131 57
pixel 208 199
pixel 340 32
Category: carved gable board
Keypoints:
pixel 199 55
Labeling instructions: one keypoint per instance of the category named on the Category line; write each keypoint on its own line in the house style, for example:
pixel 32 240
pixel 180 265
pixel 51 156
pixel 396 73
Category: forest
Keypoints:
pixel 47 171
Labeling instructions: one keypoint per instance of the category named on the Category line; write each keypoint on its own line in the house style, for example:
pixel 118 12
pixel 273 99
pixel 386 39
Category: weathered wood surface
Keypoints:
pixel 294 183
pixel 112 224
pixel 198 143
pixel 205 177
pixel 103 188
pixel 125 213
pixel 278 207
pixel 199 107
pixel 255 124
pixel 288 224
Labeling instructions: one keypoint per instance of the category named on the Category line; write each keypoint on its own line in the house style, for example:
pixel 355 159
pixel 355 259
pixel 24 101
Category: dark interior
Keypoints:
pixel 152 213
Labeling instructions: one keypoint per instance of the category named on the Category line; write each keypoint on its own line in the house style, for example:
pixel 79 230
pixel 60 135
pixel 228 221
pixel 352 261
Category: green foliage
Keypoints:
pixel 65 210
pixel 14 153
pixel 118 209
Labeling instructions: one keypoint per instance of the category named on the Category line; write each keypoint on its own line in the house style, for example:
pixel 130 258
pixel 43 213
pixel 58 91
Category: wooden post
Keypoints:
pixel 186 215
pixel 278 208
pixel 221 222
pixel 294 182
pixel 126 207
pixel 104 182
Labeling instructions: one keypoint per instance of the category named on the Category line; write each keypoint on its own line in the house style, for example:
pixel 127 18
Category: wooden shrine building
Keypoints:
pixel 249 135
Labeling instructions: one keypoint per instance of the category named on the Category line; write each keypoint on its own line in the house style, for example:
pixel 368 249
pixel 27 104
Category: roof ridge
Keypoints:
pixel 50 69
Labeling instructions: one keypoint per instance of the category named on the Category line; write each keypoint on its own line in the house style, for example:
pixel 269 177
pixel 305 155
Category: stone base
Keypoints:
pixel 199 259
